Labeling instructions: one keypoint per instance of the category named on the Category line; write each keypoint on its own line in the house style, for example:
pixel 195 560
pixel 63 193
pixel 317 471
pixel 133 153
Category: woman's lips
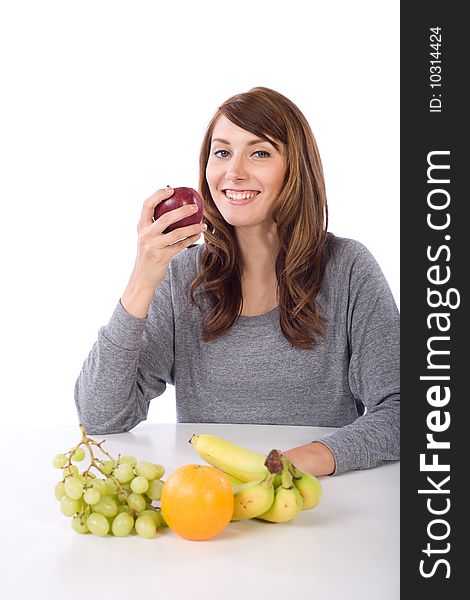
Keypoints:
pixel 240 196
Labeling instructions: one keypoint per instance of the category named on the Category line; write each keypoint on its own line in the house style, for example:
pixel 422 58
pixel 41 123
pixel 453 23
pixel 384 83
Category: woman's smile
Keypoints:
pixel 240 196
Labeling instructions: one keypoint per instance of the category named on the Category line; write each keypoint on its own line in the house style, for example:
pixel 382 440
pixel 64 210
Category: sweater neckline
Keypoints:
pixel 259 319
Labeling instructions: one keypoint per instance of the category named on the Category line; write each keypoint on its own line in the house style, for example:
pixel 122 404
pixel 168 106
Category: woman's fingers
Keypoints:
pixel 182 244
pixel 184 232
pixel 146 218
pixel 173 216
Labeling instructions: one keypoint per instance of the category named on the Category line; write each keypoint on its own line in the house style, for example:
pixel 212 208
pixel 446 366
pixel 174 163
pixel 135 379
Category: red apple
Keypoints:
pixel 182 196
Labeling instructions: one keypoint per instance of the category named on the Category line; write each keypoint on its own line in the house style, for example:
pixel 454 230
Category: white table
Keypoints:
pixel 347 548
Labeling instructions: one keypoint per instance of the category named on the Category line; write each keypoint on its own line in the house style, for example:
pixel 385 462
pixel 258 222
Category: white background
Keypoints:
pixel 103 102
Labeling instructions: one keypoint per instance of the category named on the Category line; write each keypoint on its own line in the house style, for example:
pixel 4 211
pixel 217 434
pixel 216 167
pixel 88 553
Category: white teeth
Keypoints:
pixel 239 195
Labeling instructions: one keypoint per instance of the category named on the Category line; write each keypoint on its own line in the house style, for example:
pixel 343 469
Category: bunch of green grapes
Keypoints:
pixel 109 496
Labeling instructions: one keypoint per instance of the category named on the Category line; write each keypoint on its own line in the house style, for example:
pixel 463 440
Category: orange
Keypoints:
pixel 197 501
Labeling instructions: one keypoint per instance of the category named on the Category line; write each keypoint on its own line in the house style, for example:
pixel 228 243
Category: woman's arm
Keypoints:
pixel 131 361
pixel 373 335
pixel 126 368
pixel 373 324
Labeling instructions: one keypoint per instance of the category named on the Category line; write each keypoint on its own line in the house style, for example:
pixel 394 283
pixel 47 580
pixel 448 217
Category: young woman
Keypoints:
pixel 271 320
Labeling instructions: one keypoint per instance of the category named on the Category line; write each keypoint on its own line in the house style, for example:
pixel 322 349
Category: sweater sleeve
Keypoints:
pixel 374 371
pixel 130 363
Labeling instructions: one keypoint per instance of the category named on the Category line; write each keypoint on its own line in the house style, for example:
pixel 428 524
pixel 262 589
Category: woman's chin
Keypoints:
pixel 244 217
pixel 248 221
pixel 234 222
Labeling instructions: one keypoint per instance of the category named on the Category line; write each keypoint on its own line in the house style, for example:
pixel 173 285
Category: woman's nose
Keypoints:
pixel 236 169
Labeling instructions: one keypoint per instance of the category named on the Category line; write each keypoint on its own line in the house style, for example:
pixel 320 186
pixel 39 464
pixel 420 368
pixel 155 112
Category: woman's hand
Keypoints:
pixel 314 458
pixel 155 250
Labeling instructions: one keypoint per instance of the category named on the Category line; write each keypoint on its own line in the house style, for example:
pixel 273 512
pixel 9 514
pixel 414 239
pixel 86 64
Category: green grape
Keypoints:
pixel 107 466
pixel 69 507
pixel 124 473
pixel 107 506
pixel 128 459
pixel 154 514
pixel 160 471
pixel 162 519
pixel 71 470
pixel 111 487
pixel 60 460
pixel 147 469
pixel 124 508
pixel 87 481
pixel 155 489
pixel 79 525
pixel 100 486
pixel 91 496
pixel 146 527
pixel 73 488
pixel 122 496
pixel 123 523
pixel 97 524
pixel 136 502
pixel 139 485
pixel 59 490
pixel 78 455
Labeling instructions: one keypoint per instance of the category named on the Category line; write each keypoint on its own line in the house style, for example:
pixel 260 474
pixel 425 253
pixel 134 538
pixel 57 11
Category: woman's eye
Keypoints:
pixel 262 153
pixel 221 153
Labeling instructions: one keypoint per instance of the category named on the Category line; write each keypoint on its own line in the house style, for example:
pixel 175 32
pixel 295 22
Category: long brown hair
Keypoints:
pixel 300 213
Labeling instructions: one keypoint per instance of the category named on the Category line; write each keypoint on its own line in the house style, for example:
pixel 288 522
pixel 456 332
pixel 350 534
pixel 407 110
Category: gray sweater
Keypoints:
pixel 252 374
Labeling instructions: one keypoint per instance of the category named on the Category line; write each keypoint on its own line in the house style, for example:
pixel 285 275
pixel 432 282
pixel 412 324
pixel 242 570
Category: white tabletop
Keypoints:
pixel 347 548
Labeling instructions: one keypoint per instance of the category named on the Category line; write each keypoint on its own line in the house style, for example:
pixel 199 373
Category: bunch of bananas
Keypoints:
pixel 265 487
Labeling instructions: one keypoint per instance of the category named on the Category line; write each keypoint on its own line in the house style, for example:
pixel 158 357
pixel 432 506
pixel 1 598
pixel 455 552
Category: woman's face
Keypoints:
pixel 245 174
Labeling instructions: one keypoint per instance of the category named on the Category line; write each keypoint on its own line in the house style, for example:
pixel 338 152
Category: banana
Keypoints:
pixel 233 480
pixel 245 465
pixel 308 486
pixel 253 498
pixel 286 505
pixel 244 486
pixel 287 499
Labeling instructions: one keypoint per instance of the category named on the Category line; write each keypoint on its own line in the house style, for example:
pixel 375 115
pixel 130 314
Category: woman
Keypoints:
pixel 272 320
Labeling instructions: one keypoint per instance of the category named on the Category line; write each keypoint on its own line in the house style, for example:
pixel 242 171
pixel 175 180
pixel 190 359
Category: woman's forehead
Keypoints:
pixel 225 131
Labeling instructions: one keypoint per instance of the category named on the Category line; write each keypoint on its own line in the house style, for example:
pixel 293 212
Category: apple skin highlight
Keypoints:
pixel 181 196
